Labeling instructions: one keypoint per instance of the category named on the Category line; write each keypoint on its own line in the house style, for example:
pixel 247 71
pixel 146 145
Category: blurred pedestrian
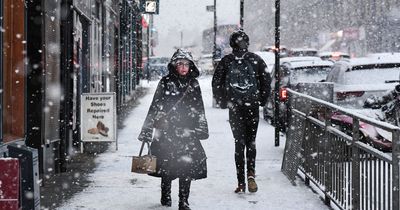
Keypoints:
pixel 178 117
pixel 389 103
pixel 242 84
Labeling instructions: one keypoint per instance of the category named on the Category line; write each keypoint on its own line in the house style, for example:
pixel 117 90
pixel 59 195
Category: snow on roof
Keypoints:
pixel 273 47
pixel 300 58
pixel 303 49
pixel 311 64
pixel 325 53
pixel 296 62
pixel 376 58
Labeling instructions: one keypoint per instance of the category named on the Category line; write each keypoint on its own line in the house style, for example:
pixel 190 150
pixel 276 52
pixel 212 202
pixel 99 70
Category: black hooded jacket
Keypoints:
pixel 219 78
pixel 177 115
pixel 389 105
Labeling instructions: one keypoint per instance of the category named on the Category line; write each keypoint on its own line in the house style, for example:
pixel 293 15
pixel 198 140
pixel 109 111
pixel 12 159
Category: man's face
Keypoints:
pixel 241 43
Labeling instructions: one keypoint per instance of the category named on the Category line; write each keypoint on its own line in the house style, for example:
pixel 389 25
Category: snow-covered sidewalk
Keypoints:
pixel 115 187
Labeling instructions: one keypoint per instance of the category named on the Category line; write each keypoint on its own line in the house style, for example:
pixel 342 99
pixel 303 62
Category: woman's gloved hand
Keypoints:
pixel 145 136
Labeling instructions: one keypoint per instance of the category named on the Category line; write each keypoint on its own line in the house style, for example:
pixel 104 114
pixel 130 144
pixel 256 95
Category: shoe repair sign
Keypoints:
pixel 98 117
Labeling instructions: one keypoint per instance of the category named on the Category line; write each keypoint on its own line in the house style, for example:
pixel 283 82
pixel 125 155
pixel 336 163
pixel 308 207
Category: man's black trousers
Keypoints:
pixel 244 123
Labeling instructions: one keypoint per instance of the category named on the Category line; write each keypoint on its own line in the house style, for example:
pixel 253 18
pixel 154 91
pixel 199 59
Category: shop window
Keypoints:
pixel 96 10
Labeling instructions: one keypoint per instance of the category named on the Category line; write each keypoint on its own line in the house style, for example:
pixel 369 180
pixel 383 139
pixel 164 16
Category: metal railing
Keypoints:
pixel 350 173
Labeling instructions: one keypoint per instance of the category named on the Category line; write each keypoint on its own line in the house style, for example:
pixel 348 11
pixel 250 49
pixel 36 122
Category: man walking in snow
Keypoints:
pixel 242 84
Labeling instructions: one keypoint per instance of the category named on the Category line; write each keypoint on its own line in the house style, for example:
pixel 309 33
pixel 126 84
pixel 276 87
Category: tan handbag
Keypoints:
pixel 144 164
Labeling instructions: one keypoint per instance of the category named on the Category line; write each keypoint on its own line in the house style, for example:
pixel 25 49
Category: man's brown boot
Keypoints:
pixel 251 182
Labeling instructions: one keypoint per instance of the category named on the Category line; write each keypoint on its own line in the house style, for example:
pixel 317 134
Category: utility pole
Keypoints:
pixel 151 34
pixel 215 32
pixel 241 13
pixel 213 8
pixel 148 50
pixel 277 69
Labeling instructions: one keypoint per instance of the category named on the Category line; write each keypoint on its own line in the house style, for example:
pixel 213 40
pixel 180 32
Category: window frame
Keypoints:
pixel 1 73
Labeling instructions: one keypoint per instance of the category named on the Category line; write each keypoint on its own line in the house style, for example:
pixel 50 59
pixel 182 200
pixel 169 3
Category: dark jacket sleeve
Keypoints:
pixel 265 81
pixel 147 129
pixel 388 97
pixel 218 83
pixel 201 131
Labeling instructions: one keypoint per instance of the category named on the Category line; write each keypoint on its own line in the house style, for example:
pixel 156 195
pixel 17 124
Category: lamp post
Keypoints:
pixel 181 39
pixel 151 38
pixel 215 32
pixel 148 51
pixel 241 13
pixel 277 69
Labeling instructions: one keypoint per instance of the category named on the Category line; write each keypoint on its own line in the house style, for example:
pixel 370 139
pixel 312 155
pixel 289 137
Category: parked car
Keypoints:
pixel 369 134
pixel 206 64
pixel 298 52
pixel 358 78
pixel 294 70
pixel 284 50
pixel 157 67
pixel 335 56
pixel 268 58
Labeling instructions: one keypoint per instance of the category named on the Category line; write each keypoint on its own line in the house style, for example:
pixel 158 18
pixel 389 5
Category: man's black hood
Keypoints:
pixel 182 54
pixel 238 35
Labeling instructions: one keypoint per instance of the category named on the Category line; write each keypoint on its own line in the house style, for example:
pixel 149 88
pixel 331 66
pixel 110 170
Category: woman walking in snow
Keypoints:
pixel 177 115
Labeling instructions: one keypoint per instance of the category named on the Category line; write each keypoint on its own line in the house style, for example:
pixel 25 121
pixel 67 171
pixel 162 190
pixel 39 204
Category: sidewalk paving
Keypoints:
pixel 62 186
pixel 112 186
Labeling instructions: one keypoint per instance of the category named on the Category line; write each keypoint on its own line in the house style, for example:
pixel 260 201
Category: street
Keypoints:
pixel 113 186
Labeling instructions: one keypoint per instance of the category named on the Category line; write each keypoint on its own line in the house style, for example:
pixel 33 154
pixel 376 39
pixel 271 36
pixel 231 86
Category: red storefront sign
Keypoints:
pixel 351 33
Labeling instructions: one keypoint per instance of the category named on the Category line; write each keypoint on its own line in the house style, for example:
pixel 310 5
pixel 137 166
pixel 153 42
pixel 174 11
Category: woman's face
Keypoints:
pixel 182 67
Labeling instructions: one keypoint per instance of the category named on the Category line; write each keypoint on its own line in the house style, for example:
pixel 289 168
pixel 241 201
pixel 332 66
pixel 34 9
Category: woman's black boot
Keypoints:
pixel 184 190
pixel 184 206
pixel 166 192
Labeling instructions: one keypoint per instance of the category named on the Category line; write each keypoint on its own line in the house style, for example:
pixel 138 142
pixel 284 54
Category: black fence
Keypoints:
pixel 351 173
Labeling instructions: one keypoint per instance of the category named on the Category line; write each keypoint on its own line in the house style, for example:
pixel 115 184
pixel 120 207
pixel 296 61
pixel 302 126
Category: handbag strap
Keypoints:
pixel 180 99
pixel 148 148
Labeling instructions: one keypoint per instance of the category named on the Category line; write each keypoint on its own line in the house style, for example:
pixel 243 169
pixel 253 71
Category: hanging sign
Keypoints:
pixel 151 6
pixel 210 8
